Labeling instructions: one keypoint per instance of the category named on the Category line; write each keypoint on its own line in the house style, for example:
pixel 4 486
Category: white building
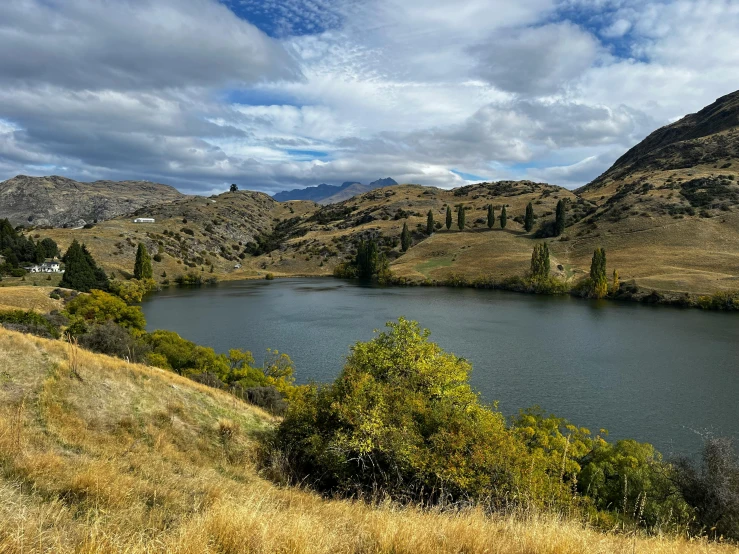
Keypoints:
pixel 144 220
pixel 49 266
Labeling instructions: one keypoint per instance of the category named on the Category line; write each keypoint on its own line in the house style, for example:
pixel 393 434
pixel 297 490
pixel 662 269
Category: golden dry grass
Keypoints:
pixel 28 298
pixel 133 459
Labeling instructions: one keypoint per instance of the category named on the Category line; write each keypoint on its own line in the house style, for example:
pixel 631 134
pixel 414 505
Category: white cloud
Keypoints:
pixel 408 89
pixel 537 61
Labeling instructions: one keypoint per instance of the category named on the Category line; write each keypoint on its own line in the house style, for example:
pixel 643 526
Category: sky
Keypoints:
pixel 281 94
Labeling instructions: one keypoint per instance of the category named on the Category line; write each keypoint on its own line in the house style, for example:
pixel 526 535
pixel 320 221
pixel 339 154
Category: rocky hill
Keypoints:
pixel 697 157
pixel 330 194
pixel 60 202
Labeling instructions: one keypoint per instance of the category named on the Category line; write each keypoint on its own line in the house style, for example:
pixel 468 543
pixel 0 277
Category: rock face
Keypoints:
pixel 331 194
pixel 60 202
pixel 710 136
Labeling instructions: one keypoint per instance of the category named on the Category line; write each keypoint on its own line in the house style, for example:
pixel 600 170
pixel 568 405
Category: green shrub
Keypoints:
pixel 29 322
pixel 266 397
pixel 99 307
pixel 114 340
pixel 401 420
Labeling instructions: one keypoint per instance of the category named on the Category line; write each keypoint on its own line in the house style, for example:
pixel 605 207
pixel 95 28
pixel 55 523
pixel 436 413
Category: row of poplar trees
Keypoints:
pixel 598 277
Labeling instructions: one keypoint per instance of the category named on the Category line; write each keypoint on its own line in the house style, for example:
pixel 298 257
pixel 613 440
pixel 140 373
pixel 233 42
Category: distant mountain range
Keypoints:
pixel 330 194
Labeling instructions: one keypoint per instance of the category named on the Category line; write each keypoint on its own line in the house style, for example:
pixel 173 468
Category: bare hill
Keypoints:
pixel 58 201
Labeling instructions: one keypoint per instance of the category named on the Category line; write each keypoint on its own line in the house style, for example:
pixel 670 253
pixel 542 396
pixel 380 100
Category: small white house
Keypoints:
pixel 49 266
pixel 144 220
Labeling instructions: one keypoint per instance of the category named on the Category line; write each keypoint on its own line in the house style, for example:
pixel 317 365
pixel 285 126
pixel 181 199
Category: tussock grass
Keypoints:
pixel 135 459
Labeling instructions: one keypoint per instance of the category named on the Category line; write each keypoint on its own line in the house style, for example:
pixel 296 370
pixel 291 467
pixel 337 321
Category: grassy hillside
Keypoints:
pixel 116 457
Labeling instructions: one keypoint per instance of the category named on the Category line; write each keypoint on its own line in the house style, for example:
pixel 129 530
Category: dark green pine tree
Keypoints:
pixel 142 266
pixel 234 187
pixel 503 218
pixel 528 220
pixel 405 238
pixel 540 262
pixel 460 218
pixel 560 221
pixel 448 218
pixel 491 216
pixel 598 274
pixel 80 270
pixel 367 258
pixel 430 223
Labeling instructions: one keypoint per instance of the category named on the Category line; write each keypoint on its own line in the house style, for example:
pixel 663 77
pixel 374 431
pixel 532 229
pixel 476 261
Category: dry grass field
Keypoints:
pixel 28 298
pixel 98 455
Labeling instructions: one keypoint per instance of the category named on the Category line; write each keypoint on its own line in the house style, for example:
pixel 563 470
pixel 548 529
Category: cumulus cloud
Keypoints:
pixel 136 44
pixel 274 95
pixel 540 60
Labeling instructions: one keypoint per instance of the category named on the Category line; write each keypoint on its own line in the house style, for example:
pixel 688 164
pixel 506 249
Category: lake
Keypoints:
pixel 656 374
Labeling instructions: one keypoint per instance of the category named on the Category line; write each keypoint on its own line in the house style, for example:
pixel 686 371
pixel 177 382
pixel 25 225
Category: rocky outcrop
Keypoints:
pixel 60 202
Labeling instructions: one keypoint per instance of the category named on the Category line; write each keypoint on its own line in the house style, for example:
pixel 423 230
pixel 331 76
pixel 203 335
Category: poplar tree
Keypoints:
pixel 491 216
pixel 561 219
pixel 616 282
pixel 503 218
pixel 367 258
pixel 142 266
pixel 540 262
pixel 448 218
pixel 598 273
pixel 405 238
pixel 430 223
pixel 528 222
pixel 460 218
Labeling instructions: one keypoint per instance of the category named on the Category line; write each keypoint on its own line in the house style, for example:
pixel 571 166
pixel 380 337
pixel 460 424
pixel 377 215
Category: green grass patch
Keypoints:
pixel 426 267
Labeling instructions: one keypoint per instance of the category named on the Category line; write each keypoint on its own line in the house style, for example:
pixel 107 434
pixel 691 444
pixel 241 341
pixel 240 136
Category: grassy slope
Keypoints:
pixel 669 253
pixel 130 458
pixel 28 298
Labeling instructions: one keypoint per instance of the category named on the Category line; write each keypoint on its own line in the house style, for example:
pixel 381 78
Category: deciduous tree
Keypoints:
pixel 598 274
pixel 142 266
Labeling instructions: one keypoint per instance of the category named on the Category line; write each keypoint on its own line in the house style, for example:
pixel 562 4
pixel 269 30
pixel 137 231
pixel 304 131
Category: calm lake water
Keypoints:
pixel 656 374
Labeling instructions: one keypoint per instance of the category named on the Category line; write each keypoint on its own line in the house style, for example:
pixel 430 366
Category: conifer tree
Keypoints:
pixel 491 216
pixel 80 270
pixel 430 223
pixel 528 222
pixel 405 238
pixel 561 218
pixel 503 218
pixel 460 218
pixel 142 266
pixel 598 273
pixel 234 187
pixel 448 218
pixel 540 262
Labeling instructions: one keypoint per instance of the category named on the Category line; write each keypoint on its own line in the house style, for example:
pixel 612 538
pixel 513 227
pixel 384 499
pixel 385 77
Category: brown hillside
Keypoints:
pixel 58 201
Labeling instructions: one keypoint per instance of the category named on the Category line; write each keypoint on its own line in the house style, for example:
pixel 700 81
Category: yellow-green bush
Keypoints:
pixel 401 420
